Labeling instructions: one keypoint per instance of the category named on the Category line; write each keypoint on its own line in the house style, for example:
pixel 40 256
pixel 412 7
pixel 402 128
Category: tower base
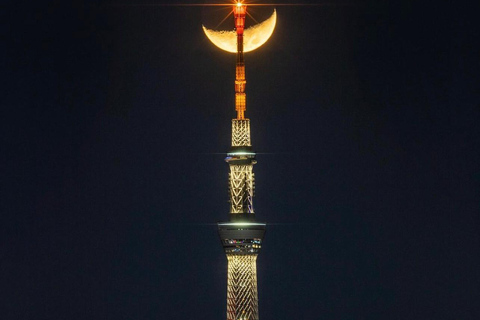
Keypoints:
pixel 242 296
pixel 242 242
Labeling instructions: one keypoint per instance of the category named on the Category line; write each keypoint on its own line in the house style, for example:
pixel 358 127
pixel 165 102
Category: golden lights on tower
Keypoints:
pixel 241 237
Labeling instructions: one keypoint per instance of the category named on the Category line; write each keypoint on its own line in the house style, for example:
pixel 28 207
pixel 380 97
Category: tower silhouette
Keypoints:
pixel 241 236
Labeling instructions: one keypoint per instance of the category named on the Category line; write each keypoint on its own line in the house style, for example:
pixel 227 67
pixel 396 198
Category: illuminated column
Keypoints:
pixel 241 177
pixel 242 236
pixel 241 133
pixel 242 298
pixel 242 242
pixel 241 188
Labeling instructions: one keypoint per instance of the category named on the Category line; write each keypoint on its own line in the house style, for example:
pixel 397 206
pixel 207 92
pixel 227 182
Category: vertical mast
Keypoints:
pixel 239 12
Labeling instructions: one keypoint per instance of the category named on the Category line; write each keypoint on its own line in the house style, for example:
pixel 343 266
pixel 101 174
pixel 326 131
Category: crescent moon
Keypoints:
pixel 253 38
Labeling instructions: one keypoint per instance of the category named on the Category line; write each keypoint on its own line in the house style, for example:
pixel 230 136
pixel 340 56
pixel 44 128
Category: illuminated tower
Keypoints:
pixel 241 237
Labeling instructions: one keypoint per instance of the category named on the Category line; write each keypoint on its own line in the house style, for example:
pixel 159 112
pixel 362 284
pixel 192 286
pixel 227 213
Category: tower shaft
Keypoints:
pixel 242 297
pixel 241 237
pixel 242 242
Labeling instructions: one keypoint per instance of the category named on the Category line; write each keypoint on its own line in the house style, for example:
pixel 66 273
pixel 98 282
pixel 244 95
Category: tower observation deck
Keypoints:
pixel 241 236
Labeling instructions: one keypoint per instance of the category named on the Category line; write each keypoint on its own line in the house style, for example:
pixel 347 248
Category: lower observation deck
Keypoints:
pixel 241 238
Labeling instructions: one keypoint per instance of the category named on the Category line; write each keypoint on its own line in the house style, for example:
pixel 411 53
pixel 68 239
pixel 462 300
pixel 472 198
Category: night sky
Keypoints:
pixel 115 121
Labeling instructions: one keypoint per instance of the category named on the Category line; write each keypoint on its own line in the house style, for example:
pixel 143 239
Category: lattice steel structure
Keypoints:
pixel 242 242
pixel 242 299
pixel 242 236
pixel 241 133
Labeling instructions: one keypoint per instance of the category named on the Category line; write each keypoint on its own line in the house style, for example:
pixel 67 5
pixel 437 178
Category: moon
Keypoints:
pixel 253 37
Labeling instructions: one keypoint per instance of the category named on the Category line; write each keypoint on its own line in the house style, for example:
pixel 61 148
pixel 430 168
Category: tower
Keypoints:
pixel 241 236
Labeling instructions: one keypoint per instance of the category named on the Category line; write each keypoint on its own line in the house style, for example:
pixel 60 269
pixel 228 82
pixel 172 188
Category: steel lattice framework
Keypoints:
pixel 241 133
pixel 242 297
pixel 242 236
pixel 241 186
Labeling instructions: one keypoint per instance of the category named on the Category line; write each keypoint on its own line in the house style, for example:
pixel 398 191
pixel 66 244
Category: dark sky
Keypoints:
pixel 115 122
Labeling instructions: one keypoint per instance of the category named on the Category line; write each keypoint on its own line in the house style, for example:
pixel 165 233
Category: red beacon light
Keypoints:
pixel 239 12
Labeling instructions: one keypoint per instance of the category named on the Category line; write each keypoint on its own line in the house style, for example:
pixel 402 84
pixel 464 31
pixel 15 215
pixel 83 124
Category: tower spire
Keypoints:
pixel 239 12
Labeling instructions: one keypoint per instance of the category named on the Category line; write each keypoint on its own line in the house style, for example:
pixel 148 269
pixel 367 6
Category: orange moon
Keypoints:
pixel 253 38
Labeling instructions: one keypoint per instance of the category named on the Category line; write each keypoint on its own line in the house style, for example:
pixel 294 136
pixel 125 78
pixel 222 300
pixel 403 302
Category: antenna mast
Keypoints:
pixel 239 12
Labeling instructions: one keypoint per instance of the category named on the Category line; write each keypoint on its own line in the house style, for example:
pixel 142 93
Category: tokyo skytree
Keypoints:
pixel 241 235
